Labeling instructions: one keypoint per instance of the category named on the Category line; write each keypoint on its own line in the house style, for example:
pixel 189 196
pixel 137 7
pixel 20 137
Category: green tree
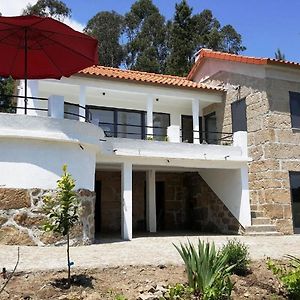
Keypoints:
pixel 48 8
pixel 106 27
pixel 230 41
pixel 7 86
pixel 145 32
pixel 279 55
pixel 62 211
pixel 181 40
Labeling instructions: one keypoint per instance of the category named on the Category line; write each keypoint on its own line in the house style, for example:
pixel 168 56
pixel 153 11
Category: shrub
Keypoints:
pixel 289 275
pixel 237 256
pixel 207 270
pixel 178 291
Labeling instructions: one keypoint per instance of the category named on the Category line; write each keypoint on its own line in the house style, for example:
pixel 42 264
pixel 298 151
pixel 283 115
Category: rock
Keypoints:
pixel 147 296
pixel 151 289
pixel 246 295
pixel 3 220
pixel 23 219
pixel 94 296
pixel 49 238
pixel 14 198
pixel 162 266
pixel 10 235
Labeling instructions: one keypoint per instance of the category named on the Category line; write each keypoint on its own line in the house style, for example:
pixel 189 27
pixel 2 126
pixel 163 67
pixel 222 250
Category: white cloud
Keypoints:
pixel 15 8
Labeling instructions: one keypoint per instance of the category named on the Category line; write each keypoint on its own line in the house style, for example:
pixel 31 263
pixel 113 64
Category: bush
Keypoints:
pixel 237 256
pixel 207 270
pixel 289 275
pixel 178 291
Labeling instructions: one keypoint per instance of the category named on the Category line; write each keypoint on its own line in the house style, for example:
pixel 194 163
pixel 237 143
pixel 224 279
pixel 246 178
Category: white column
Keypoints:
pixel 32 91
pixel 82 102
pixel 151 201
pixel 240 139
pixel 126 201
pixel 149 124
pixel 195 108
pixel 56 107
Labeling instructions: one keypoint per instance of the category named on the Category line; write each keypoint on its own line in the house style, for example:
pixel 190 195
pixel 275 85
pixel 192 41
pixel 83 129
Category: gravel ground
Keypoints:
pixel 140 251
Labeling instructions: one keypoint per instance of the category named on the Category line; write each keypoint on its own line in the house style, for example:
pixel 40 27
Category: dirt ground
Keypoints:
pixel 130 282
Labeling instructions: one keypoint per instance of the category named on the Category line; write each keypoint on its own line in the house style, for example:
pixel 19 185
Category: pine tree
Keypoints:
pixel 107 27
pixel 145 31
pixel 181 40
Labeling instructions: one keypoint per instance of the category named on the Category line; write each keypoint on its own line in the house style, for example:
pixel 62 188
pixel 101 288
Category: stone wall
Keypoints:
pixel 21 218
pixel 273 146
pixel 189 204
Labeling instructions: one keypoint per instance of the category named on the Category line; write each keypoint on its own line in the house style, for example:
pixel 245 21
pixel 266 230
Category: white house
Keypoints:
pixel 142 142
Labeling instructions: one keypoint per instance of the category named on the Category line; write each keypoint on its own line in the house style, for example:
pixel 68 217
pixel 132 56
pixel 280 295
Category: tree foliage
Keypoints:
pixel 145 31
pixel 107 27
pixel 62 211
pixel 279 55
pixel 7 86
pixel 48 8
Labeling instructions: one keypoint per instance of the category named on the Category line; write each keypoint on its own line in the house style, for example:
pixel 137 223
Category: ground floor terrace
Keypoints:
pixel 157 200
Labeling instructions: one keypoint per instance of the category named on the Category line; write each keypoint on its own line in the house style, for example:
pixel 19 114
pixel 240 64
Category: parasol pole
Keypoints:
pixel 26 70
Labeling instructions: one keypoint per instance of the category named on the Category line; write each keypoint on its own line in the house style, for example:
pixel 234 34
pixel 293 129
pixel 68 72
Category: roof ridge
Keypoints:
pixel 141 72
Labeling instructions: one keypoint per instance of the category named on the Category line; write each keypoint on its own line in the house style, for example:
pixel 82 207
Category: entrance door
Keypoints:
pixel 98 207
pixel 160 205
pixel 295 195
pixel 188 130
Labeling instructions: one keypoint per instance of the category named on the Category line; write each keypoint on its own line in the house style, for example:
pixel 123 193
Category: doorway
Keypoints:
pixel 188 129
pixel 98 190
pixel 160 205
pixel 295 198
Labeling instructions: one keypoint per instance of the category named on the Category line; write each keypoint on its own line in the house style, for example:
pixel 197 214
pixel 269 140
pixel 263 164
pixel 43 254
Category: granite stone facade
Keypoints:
pixel 272 143
pixel 21 218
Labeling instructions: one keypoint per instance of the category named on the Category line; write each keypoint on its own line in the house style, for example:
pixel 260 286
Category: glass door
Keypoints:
pixel 295 195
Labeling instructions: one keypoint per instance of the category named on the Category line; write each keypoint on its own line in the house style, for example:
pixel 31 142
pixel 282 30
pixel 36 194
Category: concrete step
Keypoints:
pixel 257 214
pixel 261 221
pixel 261 228
pixel 267 233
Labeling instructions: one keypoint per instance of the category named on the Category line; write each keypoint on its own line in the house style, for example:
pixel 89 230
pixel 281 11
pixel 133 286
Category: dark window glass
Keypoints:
pixel 188 129
pixel 130 124
pixel 295 193
pixel 295 109
pixel 211 136
pixel 238 115
pixel 71 111
pixel 161 122
pixel 105 119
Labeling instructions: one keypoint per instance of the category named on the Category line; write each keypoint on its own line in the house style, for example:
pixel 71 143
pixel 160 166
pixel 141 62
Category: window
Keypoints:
pixel 105 119
pixel 211 128
pixel 188 129
pixel 161 122
pixel 71 111
pixel 238 115
pixel 130 124
pixel 295 109
pixel 295 193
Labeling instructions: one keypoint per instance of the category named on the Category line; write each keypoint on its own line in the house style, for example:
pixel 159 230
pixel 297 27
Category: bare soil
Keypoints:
pixel 130 282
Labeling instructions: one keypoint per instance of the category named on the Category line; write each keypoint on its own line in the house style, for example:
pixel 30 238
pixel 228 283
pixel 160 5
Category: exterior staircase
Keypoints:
pixel 261 225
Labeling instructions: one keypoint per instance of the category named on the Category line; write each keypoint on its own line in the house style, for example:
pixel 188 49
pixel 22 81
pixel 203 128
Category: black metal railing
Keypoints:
pixel 208 137
pixel 141 132
pixel 11 103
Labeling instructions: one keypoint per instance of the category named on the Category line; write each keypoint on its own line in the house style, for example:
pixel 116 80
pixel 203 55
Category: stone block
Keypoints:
pixel 273 211
pixel 14 198
pixel 10 235
pixel 281 196
pixel 25 220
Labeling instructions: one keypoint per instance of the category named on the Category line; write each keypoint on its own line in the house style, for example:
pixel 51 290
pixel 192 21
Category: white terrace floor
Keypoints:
pixel 140 251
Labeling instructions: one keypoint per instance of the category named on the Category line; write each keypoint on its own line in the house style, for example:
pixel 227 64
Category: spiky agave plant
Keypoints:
pixel 207 270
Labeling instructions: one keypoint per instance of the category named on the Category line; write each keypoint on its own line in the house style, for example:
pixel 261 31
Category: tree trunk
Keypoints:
pixel 69 263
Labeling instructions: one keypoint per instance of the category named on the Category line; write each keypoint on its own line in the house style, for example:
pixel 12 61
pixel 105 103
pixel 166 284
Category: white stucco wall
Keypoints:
pixel 231 186
pixel 34 149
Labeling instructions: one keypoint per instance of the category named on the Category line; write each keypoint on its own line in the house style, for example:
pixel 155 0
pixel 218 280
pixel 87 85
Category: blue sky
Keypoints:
pixel 265 25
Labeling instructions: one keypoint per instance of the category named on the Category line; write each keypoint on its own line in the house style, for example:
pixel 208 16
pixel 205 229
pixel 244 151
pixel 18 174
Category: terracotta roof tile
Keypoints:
pixel 207 53
pixel 151 78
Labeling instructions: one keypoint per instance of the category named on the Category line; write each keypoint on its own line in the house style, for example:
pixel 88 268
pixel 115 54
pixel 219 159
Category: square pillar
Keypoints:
pixel 82 103
pixel 149 123
pixel 195 108
pixel 126 201
pixel 56 108
pixel 151 201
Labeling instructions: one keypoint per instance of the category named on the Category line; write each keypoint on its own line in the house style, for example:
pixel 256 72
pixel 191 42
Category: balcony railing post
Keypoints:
pixel 195 109
pixel 149 124
pixel 82 103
